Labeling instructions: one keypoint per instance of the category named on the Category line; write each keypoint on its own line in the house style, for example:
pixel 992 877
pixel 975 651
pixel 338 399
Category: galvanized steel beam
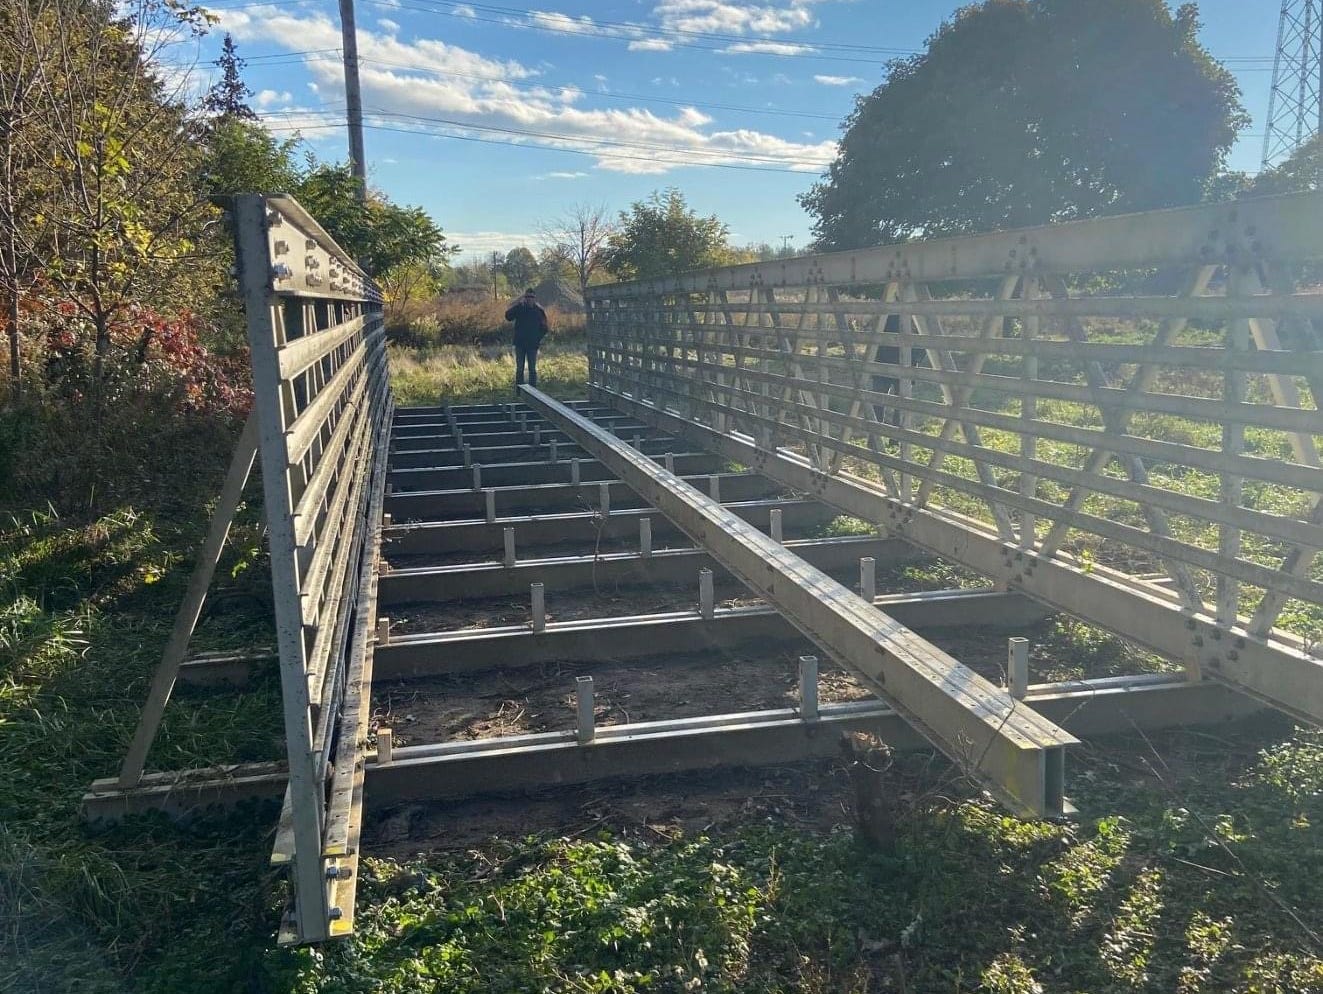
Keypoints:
pixel 1017 754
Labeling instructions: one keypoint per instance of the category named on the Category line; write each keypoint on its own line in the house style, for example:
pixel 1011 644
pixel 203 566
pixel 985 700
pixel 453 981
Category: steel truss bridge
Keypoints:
pixel 1116 419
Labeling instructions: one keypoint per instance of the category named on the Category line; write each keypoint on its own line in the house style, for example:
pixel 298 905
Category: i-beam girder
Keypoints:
pixel 656 637
pixel 1011 749
pixel 509 765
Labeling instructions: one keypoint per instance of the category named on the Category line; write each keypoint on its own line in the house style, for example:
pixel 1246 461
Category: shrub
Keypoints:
pixel 455 319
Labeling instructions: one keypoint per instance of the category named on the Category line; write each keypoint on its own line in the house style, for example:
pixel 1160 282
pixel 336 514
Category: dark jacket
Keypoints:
pixel 530 323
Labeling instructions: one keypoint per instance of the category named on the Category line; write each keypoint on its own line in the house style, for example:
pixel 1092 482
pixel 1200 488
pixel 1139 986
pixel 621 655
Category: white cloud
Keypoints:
pixel 476 243
pixel 414 85
pixel 464 10
pixel 726 17
pixel 837 80
pixel 768 48
pixel 650 45
pixel 562 175
pixel 269 98
pixel 387 25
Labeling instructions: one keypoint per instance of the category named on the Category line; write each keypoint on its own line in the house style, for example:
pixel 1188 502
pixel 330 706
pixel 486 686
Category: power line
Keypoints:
pixel 808 51
pixel 535 81
pixel 610 142
pixel 336 125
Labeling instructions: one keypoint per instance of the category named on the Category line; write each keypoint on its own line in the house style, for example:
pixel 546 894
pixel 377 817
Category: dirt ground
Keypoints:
pixel 816 795
pixel 541 698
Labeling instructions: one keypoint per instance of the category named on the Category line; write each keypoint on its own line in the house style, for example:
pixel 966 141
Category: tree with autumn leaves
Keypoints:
pixel 108 183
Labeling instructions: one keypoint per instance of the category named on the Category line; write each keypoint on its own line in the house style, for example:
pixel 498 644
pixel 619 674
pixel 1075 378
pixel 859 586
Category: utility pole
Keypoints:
pixel 785 244
pixel 1295 105
pixel 353 98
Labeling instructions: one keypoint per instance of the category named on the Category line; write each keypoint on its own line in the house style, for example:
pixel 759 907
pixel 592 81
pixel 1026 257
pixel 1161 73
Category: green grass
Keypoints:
pixel 479 374
pixel 1190 882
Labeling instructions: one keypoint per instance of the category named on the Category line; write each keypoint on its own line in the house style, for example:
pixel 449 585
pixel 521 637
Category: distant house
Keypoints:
pixel 554 292
pixel 469 294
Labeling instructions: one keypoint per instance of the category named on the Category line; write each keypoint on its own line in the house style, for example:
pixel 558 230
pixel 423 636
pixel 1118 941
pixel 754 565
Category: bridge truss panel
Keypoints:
pixel 1118 416
pixel 323 407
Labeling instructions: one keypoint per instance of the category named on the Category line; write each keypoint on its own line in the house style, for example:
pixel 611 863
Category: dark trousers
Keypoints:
pixel 526 354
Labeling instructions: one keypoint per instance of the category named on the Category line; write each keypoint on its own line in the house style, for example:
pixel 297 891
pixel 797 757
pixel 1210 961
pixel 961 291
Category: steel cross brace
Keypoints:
pixel 1009 748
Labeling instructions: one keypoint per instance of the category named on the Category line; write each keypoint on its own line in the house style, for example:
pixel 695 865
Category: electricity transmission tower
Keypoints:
pixel 1295 107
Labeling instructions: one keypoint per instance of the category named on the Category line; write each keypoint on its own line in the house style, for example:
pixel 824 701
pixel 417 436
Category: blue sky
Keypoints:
pixel 566 101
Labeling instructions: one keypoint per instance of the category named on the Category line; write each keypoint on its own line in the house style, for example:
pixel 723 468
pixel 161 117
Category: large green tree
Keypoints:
pixel 380 234
pixel 520 267
pixel 662 236
pixel 1023 112
pixel 1302 170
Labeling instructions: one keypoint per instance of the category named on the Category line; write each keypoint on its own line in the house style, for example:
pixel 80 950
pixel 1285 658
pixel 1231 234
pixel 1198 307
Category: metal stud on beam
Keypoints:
pixel 574 471
pixel 645 536
pixel 554 456
pixel 489 502
pixel 477 476
pixel 604 499
pixel 1017 667
pixel 714 487
pixel 468 456
pixel 537 595
pixel 509 557
pixel 707 600
pixel 537 435
pixel 385 746
pixel 808 688
pixel 383 631
pixel 583 692
pixel 868 578
pixel 774 519
pixel 668 461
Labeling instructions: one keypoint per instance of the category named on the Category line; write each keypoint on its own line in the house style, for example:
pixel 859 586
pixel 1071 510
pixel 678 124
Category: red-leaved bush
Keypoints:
pixel 164 405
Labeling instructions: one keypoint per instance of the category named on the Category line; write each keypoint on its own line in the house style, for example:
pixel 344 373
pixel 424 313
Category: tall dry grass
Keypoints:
pixel 455 320
pixel 478 374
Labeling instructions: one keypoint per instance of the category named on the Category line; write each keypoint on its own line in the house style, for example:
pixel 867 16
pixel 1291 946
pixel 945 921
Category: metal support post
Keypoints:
pixel 186 620
pixel 1017 667
pixel 668 461
pixel 477 476
pixel 574 471
pixel 383 631
pixel 468 456
pixel 553 454
pixel 489 500
pixel 386 521
pixel 638 443
pixel 385 746
pixel 868 578
pixel 537 435
pixel 707 600
pixel 604 499
pixel 537 594
pixel 714 487
pixel 508 534
pixel 583 693
pixel 808 688
pixel 774 517
pixel 645 536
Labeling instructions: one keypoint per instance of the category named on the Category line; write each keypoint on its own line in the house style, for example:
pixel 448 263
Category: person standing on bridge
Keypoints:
pixel 530 327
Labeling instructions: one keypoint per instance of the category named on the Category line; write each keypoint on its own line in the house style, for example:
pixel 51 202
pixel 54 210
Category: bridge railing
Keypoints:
pixel 323 409
pixel 1119 416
